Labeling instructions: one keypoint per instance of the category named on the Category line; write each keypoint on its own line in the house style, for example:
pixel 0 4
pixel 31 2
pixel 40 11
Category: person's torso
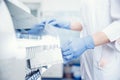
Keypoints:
pixel 95 16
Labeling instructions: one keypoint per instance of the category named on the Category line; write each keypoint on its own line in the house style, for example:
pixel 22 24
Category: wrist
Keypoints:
pixel 89 42
pixel 100 38
pixel 67 26
pixel 76 26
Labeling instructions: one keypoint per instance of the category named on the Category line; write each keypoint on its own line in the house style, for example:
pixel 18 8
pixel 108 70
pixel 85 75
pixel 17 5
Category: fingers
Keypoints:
pixel 46 21
pixel 39 27
pixel 36 29
pixel 66 46
pixel 67 52
pixel 68 57
pixel 54 23
pixel 51 21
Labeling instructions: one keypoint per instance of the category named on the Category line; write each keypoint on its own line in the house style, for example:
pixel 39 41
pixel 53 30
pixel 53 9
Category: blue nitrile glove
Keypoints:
pixel 74 48
pixel 36 30
pixel 54 22
pixel 59 23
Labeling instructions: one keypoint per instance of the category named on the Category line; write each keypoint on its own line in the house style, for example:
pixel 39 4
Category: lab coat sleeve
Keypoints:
pixel 113 30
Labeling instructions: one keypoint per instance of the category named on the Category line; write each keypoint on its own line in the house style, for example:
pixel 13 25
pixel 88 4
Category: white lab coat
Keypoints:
pixel 103 62
pixel 11 66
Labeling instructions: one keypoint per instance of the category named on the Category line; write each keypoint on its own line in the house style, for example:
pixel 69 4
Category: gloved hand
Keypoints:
pixel 59 23
pixel 37 29
pixel 54 22
pixel 74 48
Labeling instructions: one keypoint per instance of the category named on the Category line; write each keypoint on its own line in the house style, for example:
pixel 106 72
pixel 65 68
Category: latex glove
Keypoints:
pixel 74 48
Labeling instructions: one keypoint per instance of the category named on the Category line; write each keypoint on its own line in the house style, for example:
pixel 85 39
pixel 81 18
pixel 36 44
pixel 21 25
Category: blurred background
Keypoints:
pixel 66 10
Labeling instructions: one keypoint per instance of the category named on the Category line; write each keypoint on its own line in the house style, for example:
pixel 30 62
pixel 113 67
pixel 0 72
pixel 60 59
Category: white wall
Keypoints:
pixel 57 5
pixel 60 5
pixel 31 1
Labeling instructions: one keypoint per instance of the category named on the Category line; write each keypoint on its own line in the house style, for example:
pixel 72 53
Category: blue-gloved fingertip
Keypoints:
pixel 65 46
pixel 66 53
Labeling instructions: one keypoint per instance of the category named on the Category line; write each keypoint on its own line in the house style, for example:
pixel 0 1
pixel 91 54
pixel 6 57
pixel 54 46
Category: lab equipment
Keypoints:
pixel 33 75
pixel 12 63
pixel 43 48
pixel 74 48
pixel 24 21
pixel 42 51
pixel 76 72
pixel 49 38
